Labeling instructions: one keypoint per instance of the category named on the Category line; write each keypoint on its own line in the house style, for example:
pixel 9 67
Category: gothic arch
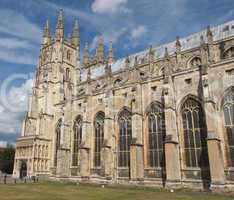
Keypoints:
pixel 98 137
pixel 124 141
pixel 155 135
pixel 57 140
pixel 228 119
pixel 228 52
pixel 226 92
pixel 194 61
pixel 77 139
pixel 185 98
pixel 152 104
pixel 194 137
pixel 126 110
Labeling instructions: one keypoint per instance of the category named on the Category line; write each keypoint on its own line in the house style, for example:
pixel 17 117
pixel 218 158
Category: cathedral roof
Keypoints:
pixel 220 32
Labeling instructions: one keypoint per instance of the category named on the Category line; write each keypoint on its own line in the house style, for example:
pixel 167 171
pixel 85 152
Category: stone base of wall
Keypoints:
pixel 147 182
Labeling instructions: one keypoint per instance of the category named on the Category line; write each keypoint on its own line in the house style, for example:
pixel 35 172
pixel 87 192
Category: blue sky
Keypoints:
pixel 132 25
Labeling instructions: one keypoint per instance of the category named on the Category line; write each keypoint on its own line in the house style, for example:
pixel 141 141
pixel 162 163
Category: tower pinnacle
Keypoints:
pixel 46 34
pixel 110 53
pixel 178 44
pixel 75 38
pixel 59 33
pixel 86 57
pixel 209 35
pixel 100 51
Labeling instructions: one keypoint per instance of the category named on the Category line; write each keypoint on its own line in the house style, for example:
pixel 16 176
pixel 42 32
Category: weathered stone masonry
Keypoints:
pixel 162 117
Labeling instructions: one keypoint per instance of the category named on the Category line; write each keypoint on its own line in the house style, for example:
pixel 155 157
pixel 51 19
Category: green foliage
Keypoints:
pixel 7 159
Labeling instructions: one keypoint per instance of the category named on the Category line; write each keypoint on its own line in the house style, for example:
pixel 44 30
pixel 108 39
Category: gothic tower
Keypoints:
pixel 57 76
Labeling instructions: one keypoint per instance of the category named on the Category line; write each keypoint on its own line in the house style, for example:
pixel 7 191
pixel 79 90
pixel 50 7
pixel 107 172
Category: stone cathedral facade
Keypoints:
pixel 162 117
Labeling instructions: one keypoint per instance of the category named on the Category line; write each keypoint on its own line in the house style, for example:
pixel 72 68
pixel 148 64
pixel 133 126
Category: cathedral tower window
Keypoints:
pixel 67 74
pixel 77 129
pixel 98 138
pixel 156 136
pixel 68 55
pixel 58 140
pixel 125 137
pixel 195 134
pixel 228 109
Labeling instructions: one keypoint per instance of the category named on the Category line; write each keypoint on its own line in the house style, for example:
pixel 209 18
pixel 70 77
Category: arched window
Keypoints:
pixel 125 137
pixel 228 109
pixel 195 134
pixel 68 55
pixel 229 53
pixel 156 136
pixel 67 74
pixel 58 140
pixel 195 62
pixel 77 128
pixel 99 137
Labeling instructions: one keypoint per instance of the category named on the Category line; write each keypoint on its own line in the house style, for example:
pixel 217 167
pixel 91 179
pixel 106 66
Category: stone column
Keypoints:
pixel 106 153
pixel 63 162
pixel 85 146
pixel 84 162
pixel 136 162
pixel 214 148
pixel 136 149
pixel 172 153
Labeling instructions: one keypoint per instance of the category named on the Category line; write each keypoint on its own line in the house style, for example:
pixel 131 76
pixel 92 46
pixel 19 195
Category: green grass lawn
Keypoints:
pixel 62 191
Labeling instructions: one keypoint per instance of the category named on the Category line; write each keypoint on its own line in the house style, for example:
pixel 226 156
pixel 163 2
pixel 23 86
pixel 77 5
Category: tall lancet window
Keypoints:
pixel 125 137
pixel 99 137
pixel 195 134
pixel 57 140
pixel 228 109
pixel 156 136
pixel 77 129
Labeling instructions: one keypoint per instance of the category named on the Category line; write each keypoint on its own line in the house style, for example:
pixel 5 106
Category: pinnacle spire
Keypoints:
pixel 178 44
pixel 60 20
pixel 110 54
pixel 100 51
pixel 75 38
pixel 86 57
pixel 59 26
pixel 166 54
pixel 46 34
pixel 151 54
pixel 47 29
pixel 202 41
pixel 209 35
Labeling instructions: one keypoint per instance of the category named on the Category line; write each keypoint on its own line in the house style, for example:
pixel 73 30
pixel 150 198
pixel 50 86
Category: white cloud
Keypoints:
pixel 18 57
pixel 110 36
pixel 22 44
pixel 18 96
pixel 138 32
pixel 19 51
pixel 12 43
pixel 110 6
pixel 11 115
pixel 18 25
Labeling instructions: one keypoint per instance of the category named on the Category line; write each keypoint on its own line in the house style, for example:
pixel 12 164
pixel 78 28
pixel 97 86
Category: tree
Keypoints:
pixel 7 159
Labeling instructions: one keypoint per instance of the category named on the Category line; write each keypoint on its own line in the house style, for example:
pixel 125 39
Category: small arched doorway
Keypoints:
pixel 23 169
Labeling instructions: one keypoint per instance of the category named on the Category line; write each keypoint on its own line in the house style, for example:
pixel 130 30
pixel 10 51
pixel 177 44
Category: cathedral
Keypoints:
pixel 163 117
